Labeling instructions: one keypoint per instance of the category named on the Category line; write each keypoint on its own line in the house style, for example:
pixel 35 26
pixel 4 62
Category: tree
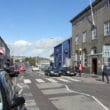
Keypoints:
pixel 31 60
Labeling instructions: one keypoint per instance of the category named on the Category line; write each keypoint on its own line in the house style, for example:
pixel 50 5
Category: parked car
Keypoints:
pixel 35 68
pixel 9 99
pixel 12 71
pixel 66 71
pixel 22 68
pixel 52 72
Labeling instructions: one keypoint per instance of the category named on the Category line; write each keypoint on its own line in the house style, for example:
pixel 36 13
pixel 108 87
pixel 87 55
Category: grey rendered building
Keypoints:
pixel 91 36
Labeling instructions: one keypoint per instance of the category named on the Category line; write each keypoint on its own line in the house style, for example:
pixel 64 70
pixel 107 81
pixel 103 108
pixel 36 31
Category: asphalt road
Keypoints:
pixel 62 93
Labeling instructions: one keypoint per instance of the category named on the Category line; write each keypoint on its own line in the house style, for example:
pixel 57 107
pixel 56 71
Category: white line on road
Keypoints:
pixel 27 81
pixel 52 80
pixel 100 103
pixel 40 80
pixel 64 80
pixel 72 79
pixel 21 89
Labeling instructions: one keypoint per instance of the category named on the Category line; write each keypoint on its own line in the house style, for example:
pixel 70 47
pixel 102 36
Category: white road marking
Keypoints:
pixel 64 80
pixel 40 80
pixel 30 103
pixel 72 79
pixel 52 80
pixel 21 77
pixel 27 81
pixel 100 103
pixel 21 89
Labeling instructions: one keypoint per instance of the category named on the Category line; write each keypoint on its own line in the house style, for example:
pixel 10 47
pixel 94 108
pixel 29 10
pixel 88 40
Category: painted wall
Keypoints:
pixel 62 53
pixel 66 51
pixel 58 55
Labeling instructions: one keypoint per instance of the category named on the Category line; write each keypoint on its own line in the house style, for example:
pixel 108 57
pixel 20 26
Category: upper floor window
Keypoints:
pixel 94 33
pixel 107 28
pixel 84 37
pixel 76 40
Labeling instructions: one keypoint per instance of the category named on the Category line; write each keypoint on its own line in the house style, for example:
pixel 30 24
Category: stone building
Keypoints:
pixel 91 36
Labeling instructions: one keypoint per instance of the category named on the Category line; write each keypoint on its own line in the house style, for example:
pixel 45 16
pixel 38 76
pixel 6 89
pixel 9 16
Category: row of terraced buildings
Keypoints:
pixel 90 42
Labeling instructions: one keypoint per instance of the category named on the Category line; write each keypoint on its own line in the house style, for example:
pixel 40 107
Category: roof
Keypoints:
pixel 85 10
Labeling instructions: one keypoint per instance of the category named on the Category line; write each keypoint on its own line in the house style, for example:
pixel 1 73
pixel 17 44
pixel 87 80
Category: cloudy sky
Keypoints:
pixel 34 27
pixel 42 47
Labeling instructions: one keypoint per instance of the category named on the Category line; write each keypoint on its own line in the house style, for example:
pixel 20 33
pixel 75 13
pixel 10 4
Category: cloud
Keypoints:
pixel 42 47
pixel 22 43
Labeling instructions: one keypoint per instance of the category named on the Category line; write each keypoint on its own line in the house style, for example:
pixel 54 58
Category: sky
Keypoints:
pixel 34 27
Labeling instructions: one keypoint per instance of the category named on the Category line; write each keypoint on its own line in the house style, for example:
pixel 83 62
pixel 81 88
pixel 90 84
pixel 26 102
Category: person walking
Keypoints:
pixel 80 68
pixel 105 72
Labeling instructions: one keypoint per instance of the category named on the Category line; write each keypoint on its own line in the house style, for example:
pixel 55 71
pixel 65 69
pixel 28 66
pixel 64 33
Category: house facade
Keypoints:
pixel 91 41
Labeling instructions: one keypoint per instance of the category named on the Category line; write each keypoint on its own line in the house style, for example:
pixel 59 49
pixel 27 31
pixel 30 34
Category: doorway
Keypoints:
pixel 94 65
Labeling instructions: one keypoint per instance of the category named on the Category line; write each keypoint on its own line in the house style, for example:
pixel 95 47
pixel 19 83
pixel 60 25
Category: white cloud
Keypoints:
pixel 22 43
pixel 42 47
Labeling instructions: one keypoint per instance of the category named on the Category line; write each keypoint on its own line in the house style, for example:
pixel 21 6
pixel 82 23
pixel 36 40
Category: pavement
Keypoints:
pixel 91 78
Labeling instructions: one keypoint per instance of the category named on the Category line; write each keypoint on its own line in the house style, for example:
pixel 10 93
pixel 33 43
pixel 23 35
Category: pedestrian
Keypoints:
pixel 105 72
pixel 80 68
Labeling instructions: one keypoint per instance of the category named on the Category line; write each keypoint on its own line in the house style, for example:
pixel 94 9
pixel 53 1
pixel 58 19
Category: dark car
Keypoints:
pixel 66 71
pixel 52 72
pixel 9 99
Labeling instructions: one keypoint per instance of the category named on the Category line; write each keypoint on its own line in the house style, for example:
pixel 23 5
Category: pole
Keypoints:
pixel 92 14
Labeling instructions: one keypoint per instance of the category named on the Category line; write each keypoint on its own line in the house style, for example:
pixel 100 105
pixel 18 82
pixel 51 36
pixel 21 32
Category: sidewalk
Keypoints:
pixel 91 78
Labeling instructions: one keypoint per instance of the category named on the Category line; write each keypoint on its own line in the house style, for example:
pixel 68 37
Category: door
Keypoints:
pixel 94 65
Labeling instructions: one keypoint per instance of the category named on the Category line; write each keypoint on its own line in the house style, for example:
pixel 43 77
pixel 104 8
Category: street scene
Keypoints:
pixel 46 64
pixel 64 93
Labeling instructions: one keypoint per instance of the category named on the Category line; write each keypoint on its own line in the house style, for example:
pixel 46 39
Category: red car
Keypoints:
pixel 22 68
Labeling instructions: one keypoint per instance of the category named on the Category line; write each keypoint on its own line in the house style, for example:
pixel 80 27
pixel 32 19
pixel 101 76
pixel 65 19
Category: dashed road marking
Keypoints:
pixel 64 80
pixel 40 80
pixel 76 80
pixel 27 81
pixel 52 80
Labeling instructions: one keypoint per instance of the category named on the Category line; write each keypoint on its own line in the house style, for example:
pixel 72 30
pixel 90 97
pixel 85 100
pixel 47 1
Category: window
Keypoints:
pixel 84 37
pixel 76 40
pixel 84 56
pixel 94 11
pixel 107 28
pixel 94 33
pixel 93 50
pixel 107 3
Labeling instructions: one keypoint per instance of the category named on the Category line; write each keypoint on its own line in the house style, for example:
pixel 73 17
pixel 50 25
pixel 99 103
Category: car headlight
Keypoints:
pixel 51 72
pixel 68 71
